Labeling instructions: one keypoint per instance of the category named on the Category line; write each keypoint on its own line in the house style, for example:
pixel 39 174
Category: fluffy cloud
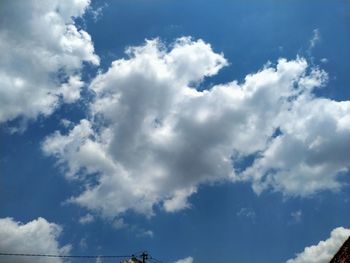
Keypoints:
pixel 324 250
pixel 152 137
pixel 310 153
pixel 42 51
pixel 37 236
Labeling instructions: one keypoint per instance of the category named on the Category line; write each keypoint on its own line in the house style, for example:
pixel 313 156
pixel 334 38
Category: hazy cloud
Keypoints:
pixel 297 215
pixel 246 213
pixel 316 37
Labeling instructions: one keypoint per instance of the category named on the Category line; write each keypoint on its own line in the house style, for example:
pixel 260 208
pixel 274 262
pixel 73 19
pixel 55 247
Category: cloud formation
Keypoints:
pixel 152 138
pixel 324 250
pixel 35 237
pixel 42 52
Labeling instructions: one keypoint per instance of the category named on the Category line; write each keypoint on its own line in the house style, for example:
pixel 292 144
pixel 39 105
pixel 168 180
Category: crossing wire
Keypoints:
pixel 61 256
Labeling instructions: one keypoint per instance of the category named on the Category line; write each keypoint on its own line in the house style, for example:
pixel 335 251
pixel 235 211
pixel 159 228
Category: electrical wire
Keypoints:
pixel 62 256
pixel 155 260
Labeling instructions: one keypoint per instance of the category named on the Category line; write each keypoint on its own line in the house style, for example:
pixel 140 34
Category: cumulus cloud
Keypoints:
pixel 153 138
pixel 311 152
pixel 37 236
pixel 324 250
pixel 42 52
pixel 185 260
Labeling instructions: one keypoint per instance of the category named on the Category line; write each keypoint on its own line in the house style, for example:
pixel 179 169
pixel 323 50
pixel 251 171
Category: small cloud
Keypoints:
pixel 185 260
pixel 144 232
pixel 148 233
pixel 179 200
pixel 66 123
pixel 316 37
pixel 119 223
pixel 324 60
pixel 88 218
pixel 141 232
pixel 296 215
pixel 246 212
pixel 96 13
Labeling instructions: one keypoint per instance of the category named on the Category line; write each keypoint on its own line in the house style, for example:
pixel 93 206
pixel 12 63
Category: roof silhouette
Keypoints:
pixel 343 254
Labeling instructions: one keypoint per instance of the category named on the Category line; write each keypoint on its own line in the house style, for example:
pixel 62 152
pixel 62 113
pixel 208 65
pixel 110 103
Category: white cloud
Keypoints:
pixel 42 52
pixel 125 184
pixel 146 233
pixel 66 123
pixel 70 91
pixel 88 218
pixel 324 250
pixel 310 153
pixel 185 260
pixel 35 237
pixel 152 138
pixel 179 200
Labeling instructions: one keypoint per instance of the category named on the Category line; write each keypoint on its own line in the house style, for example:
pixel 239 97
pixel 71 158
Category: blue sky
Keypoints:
pixel 214 177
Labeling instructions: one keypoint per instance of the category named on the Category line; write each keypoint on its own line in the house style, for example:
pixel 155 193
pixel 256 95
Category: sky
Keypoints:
pixel 199 131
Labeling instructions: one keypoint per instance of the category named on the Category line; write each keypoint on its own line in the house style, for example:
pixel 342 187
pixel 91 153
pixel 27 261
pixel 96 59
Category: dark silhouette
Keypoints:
pixel 343 254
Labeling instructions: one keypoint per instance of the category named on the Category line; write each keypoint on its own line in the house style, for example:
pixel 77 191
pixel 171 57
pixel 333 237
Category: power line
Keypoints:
pixel 62 256
pixel 145 256
pixel 155 260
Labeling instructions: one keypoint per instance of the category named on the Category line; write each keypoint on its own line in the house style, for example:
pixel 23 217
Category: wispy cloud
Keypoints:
pixel 297 216
pixel 246 212
pixel 316 38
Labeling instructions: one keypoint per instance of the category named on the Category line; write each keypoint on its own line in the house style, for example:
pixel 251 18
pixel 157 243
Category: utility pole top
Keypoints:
pixel 134 258
pixel 144 256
